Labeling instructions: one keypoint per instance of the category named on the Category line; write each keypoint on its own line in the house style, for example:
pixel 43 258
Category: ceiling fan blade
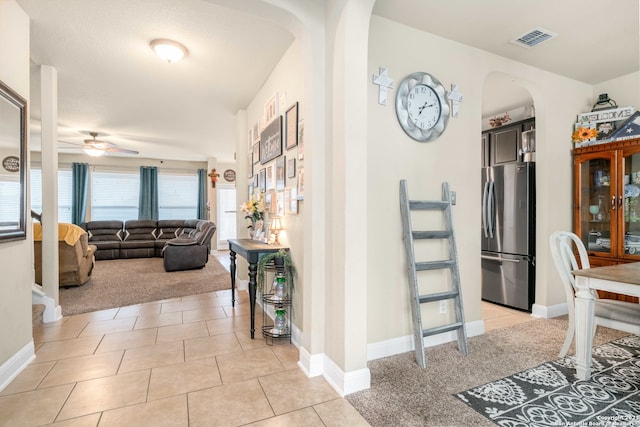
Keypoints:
pixel 71 143
pixel 120 150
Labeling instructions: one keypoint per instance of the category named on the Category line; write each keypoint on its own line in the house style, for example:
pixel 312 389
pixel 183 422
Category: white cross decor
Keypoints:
pixel 384 82
pixel 456 98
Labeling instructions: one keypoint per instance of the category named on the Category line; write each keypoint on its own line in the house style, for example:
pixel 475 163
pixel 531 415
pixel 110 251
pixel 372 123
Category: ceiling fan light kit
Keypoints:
pixel 93 152
pixel 168 50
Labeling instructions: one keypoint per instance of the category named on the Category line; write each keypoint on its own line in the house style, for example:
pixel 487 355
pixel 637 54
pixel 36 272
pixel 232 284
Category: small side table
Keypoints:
pixel 251 250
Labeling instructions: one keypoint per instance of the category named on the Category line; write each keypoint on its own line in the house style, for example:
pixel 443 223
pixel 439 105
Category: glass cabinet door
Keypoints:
pixel 596 203
pixel 629 201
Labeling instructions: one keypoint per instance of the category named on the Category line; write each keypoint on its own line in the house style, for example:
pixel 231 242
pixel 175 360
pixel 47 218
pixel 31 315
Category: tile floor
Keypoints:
pixel 181 362
pixel 497 317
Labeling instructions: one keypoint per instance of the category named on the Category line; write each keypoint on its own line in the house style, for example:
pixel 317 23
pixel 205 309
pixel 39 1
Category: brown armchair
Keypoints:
pixel 76 257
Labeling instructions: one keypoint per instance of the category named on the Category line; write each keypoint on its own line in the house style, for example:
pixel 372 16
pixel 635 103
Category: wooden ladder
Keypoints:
pixel 409 236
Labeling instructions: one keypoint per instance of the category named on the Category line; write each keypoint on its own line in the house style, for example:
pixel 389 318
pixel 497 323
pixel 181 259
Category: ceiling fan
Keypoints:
pixel 95 147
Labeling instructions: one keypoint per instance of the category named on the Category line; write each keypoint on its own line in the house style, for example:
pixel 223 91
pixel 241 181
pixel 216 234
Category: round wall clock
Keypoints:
pixel 422 107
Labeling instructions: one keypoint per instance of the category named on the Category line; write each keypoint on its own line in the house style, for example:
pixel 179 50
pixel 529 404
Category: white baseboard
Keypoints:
pixel 311 364
pixel 404 344
pixel 52 312
pixel 549 311
pixel 344 383
pixel 16 364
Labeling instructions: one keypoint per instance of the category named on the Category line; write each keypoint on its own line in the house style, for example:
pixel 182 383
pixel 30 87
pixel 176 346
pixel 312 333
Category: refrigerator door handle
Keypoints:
pixel 500 259
pixel 490 213
pixel 485 193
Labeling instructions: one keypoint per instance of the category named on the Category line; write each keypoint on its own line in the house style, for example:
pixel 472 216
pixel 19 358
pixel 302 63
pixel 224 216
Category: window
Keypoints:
pixel 64 193
pixel 10 196
pixel 114 195
pixel 177 195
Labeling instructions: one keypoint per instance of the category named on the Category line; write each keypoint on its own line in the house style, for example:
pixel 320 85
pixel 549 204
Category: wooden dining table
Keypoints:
pixel 621 279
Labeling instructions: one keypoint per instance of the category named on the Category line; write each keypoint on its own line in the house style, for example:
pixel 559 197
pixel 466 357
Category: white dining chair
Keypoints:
pixel 620 315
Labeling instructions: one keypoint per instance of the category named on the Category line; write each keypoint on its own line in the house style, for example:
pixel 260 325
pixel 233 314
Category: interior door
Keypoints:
pixel 226 213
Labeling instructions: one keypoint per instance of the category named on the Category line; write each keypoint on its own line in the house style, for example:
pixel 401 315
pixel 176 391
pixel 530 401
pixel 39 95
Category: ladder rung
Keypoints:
pixel 434 265
pixel 441 329
pixel 435 234
pixel 427 204
pixel 437 296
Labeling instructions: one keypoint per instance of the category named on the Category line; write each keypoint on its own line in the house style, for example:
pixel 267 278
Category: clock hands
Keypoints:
pixel 425 106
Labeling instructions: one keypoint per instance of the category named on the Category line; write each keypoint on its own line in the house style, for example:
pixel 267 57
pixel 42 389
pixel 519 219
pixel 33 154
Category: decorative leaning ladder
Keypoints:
pixel 409 235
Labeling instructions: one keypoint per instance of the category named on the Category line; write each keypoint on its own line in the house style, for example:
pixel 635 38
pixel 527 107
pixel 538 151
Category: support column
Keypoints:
pixel 49 136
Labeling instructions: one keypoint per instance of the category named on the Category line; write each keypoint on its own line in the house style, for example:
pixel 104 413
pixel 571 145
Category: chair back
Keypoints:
pixel 563 253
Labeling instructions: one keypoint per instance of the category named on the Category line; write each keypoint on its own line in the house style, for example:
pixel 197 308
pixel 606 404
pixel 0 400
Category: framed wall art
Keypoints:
pixel 301 139
pixel 271 109
pixel 301 184
pixel 250 165
pixel 256 152
pixel 291 167
pixel 271 141
pixel 256 132
pixel 263 180
pixel 280 176
pixel 292 126
pixel 270 175
pixel 280 203
pixel 291 200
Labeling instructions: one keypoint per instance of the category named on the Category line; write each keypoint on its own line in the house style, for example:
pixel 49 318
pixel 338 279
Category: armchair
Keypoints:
pixel 76 257
pixel 191 251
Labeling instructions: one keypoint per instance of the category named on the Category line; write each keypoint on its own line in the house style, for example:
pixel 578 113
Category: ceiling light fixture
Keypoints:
pixel 168 50
pixel 93 152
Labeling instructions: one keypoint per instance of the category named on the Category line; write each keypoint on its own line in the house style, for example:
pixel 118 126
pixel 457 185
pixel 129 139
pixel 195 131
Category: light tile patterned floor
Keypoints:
pixel 181 362
pixel 497 317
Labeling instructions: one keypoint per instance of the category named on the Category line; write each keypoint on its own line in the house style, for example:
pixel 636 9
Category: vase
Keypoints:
pixel 279 286
pixel 280 326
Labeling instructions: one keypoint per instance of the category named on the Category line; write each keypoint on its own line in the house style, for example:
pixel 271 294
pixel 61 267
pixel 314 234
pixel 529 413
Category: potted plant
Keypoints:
pixel 283 262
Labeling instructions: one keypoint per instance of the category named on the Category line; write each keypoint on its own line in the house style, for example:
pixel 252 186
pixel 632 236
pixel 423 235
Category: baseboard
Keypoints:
pixel 549 311
pixel 404 344
pixel 16 364
pixel 344 383
pixel 52 312
pixel 311 364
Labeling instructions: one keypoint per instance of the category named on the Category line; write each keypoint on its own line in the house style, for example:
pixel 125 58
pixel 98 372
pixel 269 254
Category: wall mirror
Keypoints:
pixel 13 149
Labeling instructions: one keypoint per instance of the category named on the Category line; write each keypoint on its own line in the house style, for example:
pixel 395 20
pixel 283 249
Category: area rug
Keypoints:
pixel 551 395
pixel 123 282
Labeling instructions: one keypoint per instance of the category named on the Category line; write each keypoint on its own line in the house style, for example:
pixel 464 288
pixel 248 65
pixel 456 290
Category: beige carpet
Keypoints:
pixel 122 282
pixel 402 394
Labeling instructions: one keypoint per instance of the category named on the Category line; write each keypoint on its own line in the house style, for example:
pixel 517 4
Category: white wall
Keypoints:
pixel 455 157
pixel 16 259
pixel 624 90
pixel 287 80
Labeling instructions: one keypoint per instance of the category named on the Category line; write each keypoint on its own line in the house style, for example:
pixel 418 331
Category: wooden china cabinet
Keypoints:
pixel 607 203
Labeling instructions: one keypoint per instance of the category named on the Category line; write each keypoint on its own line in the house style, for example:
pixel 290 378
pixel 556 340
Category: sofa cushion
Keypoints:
pixel 104 230
pixel 169 228
pixel 137 229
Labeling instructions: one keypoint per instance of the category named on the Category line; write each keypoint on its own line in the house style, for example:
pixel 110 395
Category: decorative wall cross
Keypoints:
pixel 456 98
pixel 384 82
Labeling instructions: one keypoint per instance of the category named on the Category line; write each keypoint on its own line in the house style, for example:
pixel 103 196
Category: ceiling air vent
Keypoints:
pixel 534 37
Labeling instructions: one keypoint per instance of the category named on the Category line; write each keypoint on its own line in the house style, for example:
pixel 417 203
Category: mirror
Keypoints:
pixel 13 149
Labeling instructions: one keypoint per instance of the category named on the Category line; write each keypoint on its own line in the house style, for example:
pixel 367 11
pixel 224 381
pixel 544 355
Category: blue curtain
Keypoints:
pixel 80 183
pixel 202 194
pixel 148 201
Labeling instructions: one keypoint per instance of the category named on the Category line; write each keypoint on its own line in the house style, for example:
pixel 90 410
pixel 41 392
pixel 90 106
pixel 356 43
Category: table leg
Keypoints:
pixel 584 320
pixel 253 268
pixel 232 269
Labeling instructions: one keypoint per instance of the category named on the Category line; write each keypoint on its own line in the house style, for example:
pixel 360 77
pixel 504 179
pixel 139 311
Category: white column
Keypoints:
pixel 49 114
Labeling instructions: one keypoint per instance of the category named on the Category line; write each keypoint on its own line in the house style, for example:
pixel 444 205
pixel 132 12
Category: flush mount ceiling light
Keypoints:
pixel 168 50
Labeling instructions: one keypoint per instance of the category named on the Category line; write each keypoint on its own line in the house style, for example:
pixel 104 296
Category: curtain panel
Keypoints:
pixel 202 194
pixel 148 202
pixel 79 194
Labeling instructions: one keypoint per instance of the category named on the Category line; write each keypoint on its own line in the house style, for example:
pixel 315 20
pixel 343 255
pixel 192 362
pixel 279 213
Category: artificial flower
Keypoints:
pixel 584 134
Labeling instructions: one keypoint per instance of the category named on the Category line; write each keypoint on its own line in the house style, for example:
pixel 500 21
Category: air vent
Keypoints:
pixel 534 37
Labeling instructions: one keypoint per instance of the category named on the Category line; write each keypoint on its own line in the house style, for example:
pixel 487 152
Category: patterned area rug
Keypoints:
pixel 551 395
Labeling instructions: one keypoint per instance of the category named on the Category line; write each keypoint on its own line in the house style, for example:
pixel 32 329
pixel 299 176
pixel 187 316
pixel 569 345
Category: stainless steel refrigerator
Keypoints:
pixel 508 234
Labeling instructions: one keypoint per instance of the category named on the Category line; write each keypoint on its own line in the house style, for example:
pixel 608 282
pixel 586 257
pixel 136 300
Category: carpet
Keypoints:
pixel 403 394
pixel 551 395
pixel 123 282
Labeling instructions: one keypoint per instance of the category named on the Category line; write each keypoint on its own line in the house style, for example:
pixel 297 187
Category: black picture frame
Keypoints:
pixel 292 126
pixel 291 167
pixel 256 152
pixel 271 141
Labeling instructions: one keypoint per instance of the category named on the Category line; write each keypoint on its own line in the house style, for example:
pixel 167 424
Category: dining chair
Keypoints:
pixel 620 315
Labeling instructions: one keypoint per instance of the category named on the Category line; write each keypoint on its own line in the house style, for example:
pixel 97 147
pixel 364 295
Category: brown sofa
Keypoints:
pixel 76 257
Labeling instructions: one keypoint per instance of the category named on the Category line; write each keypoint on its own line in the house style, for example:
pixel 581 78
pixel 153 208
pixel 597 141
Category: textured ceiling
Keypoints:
pixel 110 81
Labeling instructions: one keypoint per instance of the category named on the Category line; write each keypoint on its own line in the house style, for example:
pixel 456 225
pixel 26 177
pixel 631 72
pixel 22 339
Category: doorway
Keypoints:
pixel 226 211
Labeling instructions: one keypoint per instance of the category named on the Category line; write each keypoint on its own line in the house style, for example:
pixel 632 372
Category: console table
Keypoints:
pixel 251 250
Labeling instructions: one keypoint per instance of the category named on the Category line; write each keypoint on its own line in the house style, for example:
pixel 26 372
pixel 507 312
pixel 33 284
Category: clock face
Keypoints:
pixel 421 107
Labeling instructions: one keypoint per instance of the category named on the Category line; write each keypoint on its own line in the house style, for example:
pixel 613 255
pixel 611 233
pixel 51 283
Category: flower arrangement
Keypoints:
pixel 499 120
pixel 254 209
pixel 584 134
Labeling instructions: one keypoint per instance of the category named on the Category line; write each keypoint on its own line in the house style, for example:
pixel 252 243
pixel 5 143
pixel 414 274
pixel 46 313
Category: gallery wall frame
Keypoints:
pixel 280 173
pixel 292 126
pixel 263 180
pixel 256 152
pixel 291 167
pixel 271 141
